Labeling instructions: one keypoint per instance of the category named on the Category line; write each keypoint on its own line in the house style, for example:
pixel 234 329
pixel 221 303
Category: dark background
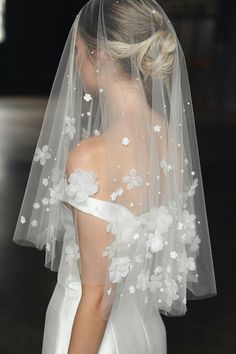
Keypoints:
pixel 35 36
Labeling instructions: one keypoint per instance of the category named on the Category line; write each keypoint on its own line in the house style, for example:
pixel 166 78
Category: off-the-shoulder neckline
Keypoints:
pixel 102 200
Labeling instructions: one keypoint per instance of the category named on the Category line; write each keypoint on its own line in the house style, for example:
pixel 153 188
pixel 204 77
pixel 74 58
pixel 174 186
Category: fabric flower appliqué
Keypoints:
pixel 143 280
pixel 166 167
pixel 133 180
pixel 155 242
pixel 155 282
pixel 57 192
pixel 87 97
pixel 119 268
pixel 22 219
pixel 72 252
pixel 191 191
pixel 42 154
pixel 171 291
pixel 159 219
pixel 69 127
pixel 81 185
pixel 110 250
pixel 157 128
pixel 186 265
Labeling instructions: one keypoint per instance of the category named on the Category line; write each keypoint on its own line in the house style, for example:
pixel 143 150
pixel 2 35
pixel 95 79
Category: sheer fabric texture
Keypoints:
pixel 139 217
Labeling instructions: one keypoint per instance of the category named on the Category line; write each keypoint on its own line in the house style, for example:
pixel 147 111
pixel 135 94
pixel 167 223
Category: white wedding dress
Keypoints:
pixel 145 335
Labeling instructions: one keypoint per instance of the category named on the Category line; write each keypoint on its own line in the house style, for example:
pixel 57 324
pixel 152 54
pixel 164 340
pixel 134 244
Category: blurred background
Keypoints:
pixel 32 37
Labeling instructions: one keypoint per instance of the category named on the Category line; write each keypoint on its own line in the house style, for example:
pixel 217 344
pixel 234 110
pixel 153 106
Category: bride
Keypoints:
pixel 114 194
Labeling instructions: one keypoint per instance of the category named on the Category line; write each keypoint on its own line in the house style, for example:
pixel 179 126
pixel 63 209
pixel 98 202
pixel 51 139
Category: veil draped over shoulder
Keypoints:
pixel 122 85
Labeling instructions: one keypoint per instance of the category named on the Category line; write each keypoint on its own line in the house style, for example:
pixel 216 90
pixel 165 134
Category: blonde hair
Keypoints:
pixel 155 52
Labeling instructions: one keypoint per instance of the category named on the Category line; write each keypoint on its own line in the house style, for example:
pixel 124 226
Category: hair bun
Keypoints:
pixel 157 56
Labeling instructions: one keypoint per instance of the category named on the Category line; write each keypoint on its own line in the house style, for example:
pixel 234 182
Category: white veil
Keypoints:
pixel 156 244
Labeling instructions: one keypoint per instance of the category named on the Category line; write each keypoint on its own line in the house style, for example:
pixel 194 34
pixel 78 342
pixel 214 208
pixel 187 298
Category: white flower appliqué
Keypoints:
pixel 22 219
pixel 69 127
pixel 143 280
pixel 155 242
pixel 171 291
pixel 72 253
pixel 87 97
pixel 155 282
pixel 81 185
pixel 191 191
pixel 166 167
pixel 157 128
pixel 36 205
pixel 119 268
pixel 56 193
pixel 45 181
pixel 185 265
pixel 133 180
pixel 42 154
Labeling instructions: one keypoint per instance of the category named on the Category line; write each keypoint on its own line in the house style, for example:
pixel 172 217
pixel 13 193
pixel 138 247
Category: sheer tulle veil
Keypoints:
pixel 122 79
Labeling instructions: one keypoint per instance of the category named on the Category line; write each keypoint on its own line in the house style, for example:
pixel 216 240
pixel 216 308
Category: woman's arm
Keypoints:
pixel 88 327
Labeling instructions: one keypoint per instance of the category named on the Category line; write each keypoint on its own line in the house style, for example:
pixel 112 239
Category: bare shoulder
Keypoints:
pixel 88 155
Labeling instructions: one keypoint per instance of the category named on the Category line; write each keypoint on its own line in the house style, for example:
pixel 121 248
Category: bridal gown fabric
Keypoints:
pixel 65 299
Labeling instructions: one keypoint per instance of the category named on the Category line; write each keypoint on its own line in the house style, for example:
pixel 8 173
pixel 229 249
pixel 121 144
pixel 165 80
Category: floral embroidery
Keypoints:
pixel 119 268
pixel 165 166
pixel 69 127
pixel 72 252
pixel 81 185
pixel 42 155
pixel 133 180
pixel 87 97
